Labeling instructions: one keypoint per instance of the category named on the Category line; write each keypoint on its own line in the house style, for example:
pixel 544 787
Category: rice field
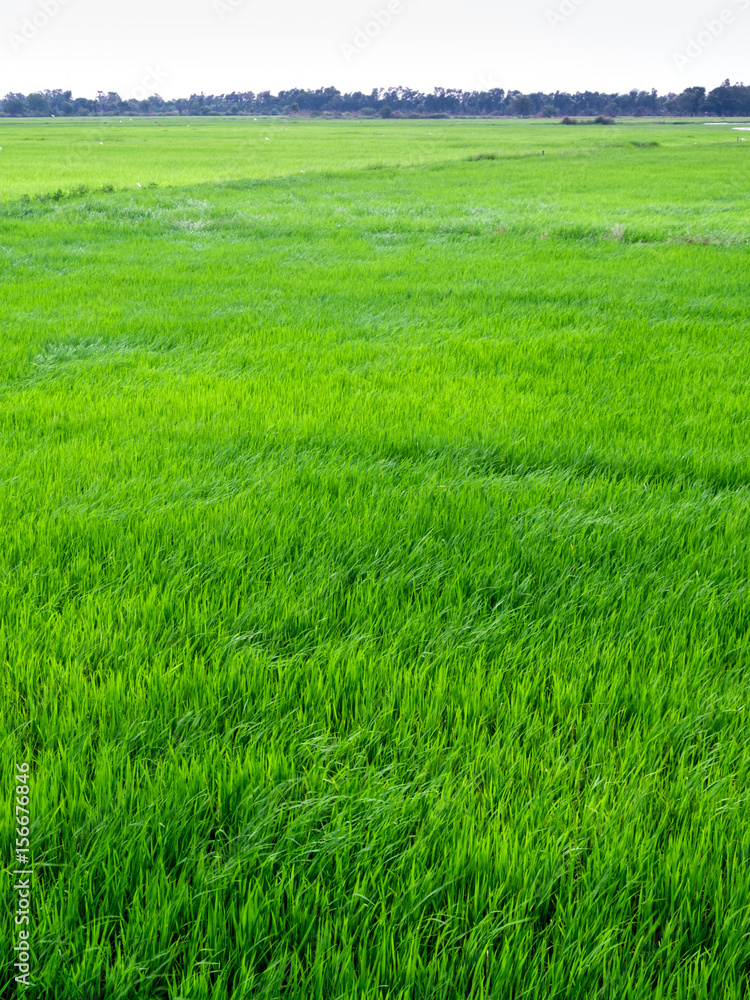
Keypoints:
pixel 375 577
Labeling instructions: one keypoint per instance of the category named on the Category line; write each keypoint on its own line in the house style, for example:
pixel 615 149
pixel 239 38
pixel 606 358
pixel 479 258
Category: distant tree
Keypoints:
pixel 14 105
pixel 37 104
pixel 691 101
pixel 107 104
pixel 523 106
pixel 563 103
pixel 728 99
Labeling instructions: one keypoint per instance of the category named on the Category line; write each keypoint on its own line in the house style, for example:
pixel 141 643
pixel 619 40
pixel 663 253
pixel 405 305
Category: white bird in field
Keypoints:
pixel 138 185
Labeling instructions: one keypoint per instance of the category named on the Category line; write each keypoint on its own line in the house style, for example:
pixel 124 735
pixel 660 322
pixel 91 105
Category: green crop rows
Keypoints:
pixel 374 583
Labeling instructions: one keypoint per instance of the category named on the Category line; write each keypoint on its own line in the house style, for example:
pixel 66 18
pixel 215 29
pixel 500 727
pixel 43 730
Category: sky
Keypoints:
pixel 179 47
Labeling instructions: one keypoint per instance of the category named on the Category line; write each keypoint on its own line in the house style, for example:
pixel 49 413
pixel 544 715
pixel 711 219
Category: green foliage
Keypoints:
pixel 37 104
pixel 728 100
pixel 374 579
pixel 523 106
pixel 14 105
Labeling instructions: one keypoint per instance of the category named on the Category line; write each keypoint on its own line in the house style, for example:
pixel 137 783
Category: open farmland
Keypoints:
pixel 374 587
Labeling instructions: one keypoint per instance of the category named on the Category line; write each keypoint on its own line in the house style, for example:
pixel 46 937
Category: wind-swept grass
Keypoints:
pixel 374 588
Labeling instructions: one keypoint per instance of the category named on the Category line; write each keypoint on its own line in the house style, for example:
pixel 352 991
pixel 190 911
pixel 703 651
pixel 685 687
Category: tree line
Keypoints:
pixel 728 100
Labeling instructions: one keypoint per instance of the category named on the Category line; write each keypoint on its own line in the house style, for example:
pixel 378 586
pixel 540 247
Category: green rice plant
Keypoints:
pixel 374 589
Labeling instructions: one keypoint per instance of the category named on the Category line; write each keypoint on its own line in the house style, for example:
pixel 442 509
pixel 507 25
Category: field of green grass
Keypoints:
pixel 375 576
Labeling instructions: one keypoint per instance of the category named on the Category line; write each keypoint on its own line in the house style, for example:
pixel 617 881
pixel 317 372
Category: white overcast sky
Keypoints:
pixel 179 47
